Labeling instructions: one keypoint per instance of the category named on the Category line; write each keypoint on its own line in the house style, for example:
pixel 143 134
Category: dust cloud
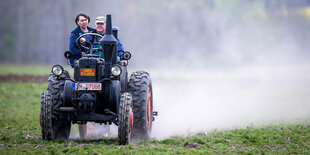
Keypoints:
pixel 205 100
pixel 251 73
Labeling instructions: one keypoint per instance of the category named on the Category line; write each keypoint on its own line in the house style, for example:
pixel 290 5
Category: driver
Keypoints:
pixel 100 29
pixel 81 20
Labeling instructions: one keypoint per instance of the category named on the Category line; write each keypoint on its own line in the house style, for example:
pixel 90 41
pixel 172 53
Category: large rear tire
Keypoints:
pixel 125 119
pixel 83 131
pixel 53 126
pixel 140 87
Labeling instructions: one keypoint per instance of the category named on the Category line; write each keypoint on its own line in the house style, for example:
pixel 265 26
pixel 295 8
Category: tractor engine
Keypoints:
pixel 91 92
pixel 89 68
pixel 88 71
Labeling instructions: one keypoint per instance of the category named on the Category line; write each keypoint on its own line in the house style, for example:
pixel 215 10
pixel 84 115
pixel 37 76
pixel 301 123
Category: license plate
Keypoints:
pixel 86 86
pixel 87 72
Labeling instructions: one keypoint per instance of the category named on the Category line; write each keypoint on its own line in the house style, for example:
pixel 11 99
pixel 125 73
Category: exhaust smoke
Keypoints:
pixel 230 98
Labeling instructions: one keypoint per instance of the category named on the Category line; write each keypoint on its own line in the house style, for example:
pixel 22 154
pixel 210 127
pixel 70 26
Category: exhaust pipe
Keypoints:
pixel 108 37
pixel 109 43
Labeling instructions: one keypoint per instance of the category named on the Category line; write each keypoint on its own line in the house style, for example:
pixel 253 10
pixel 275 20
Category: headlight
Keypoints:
pixel 57 70
pixel 116 70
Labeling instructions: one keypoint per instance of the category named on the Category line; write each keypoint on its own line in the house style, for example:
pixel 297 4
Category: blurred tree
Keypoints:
pixel 37 31
pixel 8 33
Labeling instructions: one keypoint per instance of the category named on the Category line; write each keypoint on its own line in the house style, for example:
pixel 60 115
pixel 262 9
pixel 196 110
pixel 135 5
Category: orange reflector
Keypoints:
pixel 87 72
pixel 61 77
pixel 112 77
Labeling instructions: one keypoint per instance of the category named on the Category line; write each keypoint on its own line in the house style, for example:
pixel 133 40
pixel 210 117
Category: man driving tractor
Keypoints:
pixel 100 29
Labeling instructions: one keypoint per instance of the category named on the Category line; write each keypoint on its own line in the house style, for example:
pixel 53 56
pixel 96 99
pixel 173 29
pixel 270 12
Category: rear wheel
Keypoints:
pixel 125 119
pixel 140 86
pixel 53 126
pixel 82 131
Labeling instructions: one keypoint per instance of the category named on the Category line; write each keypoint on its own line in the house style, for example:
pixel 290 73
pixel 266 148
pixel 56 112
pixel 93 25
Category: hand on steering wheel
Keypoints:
pixel 82 40
pixel 82 46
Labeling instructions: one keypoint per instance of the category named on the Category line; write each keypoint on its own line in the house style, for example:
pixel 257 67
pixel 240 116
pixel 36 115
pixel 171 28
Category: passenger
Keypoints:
pixel 100 29
pixel 81 20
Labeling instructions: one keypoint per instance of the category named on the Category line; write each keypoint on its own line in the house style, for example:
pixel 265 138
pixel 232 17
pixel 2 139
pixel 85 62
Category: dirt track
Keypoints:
pixel 24 78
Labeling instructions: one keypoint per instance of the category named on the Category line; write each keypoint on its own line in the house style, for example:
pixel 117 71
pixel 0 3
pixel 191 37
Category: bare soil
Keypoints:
pixel 24 78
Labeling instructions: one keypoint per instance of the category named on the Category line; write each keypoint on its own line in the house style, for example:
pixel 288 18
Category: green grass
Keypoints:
pixel 20 133
pixel 29 69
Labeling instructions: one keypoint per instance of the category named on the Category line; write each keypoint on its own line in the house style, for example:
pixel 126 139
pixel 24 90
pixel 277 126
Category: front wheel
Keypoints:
pixel 53 126
pixel 140 87
pixel 125 119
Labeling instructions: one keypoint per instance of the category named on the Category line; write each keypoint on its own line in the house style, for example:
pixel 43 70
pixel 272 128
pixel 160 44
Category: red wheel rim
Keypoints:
pixel 130 119
pixel 149 110
pixel 84 130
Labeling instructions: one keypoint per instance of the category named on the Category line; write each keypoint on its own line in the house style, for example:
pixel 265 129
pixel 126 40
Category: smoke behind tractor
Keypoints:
pixel 230 98
pixel 233 71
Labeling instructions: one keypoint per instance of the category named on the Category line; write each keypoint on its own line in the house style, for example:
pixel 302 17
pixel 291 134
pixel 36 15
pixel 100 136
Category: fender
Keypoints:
pixel 123 79
pixel 115 89
pixel 67 94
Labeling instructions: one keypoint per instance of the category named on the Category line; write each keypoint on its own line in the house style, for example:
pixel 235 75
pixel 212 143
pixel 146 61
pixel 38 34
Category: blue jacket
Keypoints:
pixel 76 52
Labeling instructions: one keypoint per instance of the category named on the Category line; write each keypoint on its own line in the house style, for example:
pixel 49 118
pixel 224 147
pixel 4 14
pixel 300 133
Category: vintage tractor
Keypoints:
pixel 100 92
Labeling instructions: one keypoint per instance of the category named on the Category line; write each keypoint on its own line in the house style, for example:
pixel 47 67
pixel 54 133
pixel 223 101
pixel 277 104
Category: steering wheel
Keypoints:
pixel 83 47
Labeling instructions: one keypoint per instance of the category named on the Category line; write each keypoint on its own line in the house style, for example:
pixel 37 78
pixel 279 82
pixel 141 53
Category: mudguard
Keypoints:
pixel 123 79
pixel 67 94
pixel 115 89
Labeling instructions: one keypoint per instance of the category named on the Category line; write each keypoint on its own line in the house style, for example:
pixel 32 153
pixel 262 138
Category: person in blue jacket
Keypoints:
pixel 81 20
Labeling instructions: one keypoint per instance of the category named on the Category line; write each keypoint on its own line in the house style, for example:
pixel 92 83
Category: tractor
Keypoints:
pixel 100 92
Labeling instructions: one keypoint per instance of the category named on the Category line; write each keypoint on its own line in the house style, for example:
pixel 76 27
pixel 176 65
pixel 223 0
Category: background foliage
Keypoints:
pixel 37 31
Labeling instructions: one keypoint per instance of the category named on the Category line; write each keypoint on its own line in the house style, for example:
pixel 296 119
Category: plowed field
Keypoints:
pixel 24 78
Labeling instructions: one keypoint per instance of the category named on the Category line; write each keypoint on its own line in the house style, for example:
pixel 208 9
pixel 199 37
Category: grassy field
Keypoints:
pixel 20 131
